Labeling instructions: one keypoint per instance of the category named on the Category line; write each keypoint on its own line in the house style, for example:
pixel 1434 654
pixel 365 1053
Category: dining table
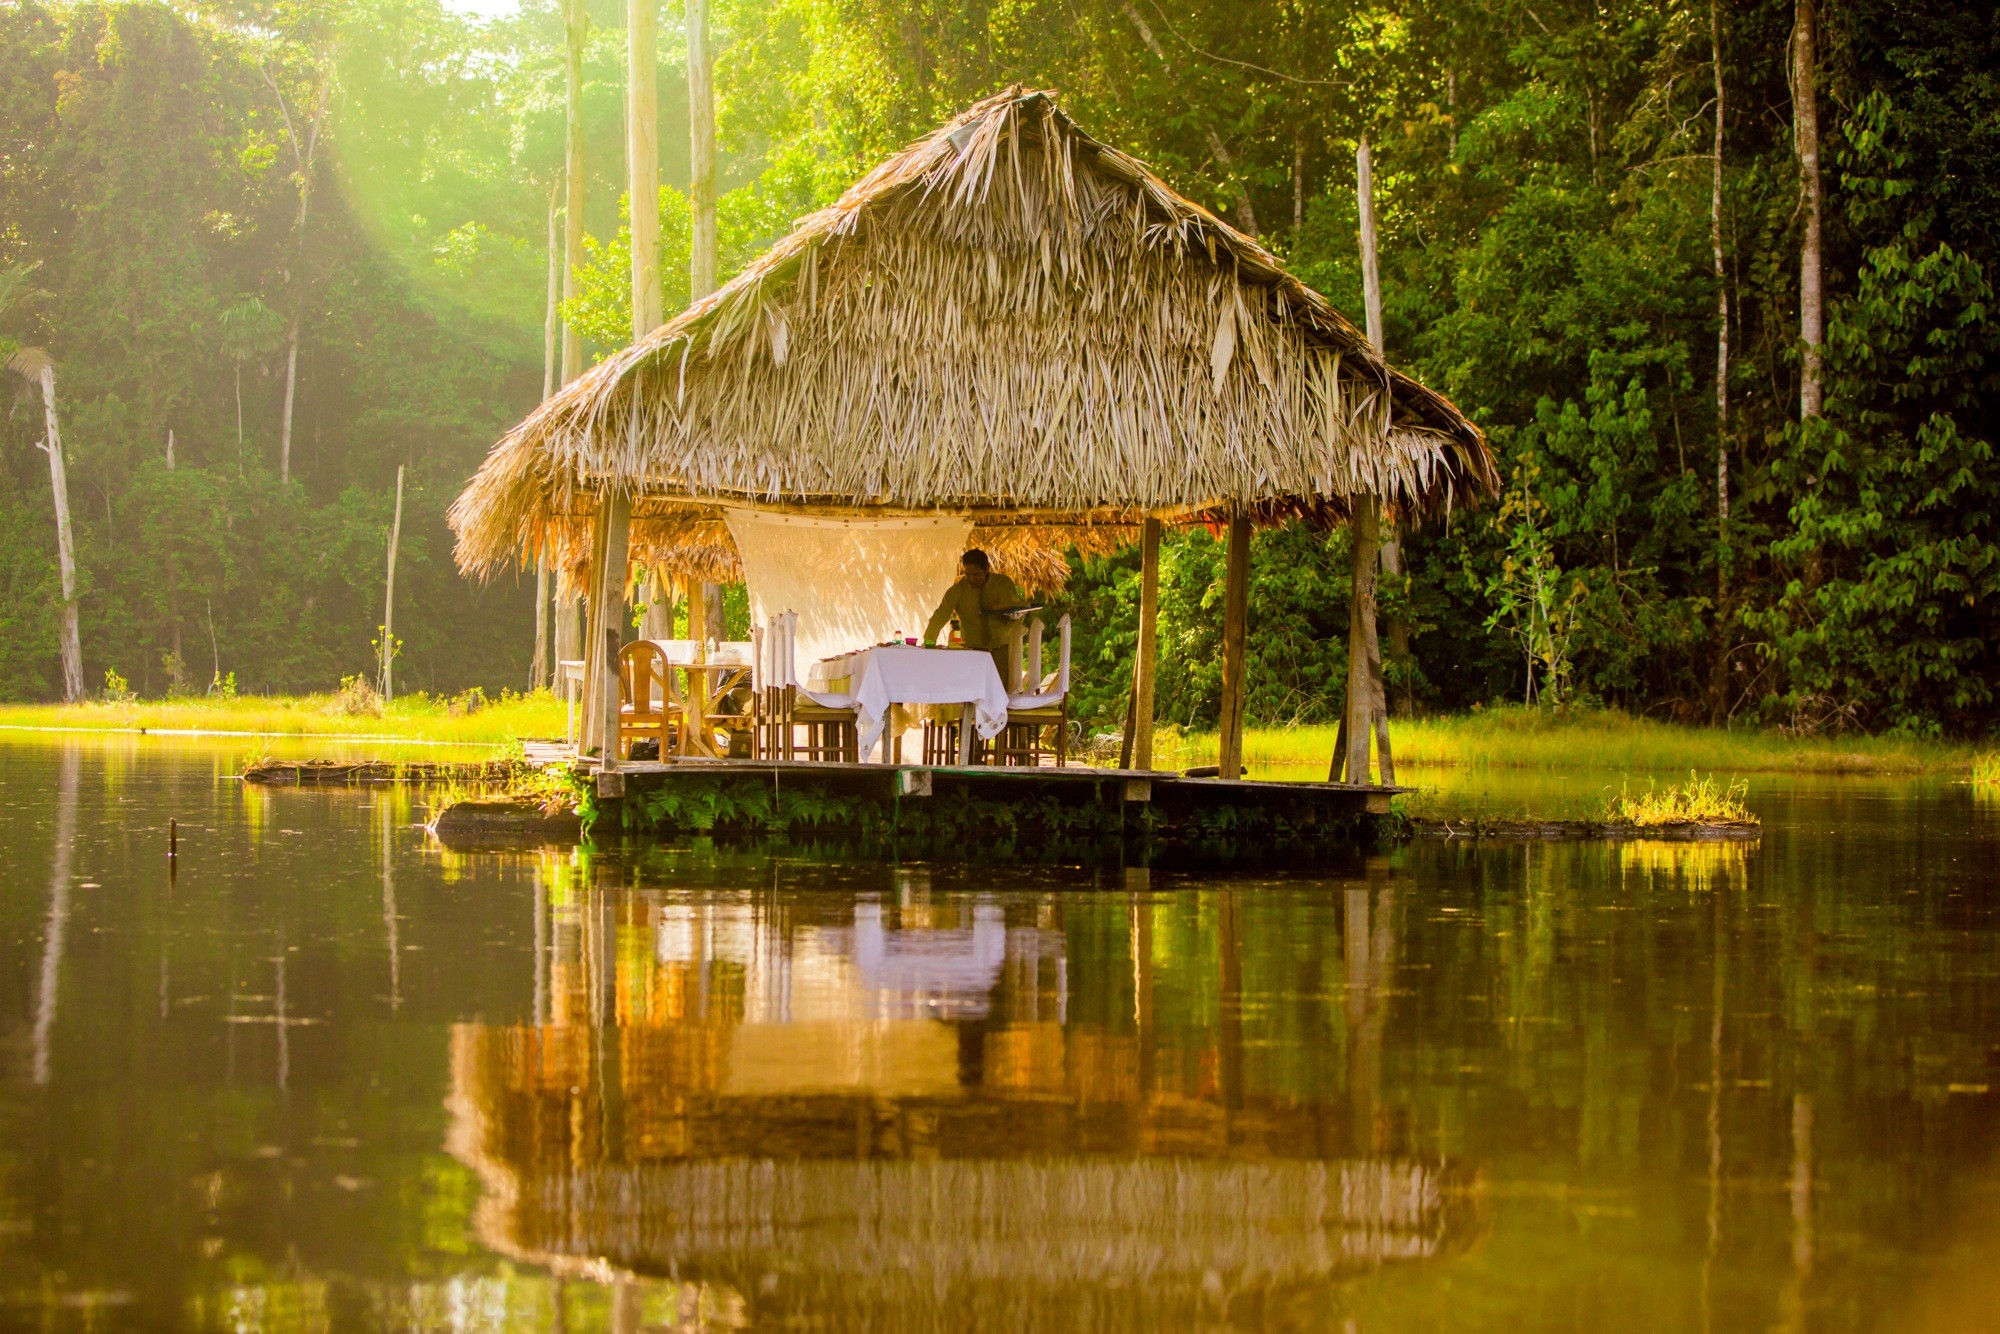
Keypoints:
pixel 711 671
pixel 888 677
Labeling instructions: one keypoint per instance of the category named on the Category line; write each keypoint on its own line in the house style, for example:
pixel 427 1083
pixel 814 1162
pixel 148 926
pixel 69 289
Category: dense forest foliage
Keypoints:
pixel 197 193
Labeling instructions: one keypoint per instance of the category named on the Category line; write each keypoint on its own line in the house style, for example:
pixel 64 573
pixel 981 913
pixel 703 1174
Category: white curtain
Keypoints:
pixel 853 582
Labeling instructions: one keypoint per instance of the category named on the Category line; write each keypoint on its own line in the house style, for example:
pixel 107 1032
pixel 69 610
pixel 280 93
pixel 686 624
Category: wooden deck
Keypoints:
pixel 1018 814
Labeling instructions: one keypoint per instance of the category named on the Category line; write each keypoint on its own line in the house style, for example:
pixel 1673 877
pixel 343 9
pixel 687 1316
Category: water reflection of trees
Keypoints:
pixel 893 1101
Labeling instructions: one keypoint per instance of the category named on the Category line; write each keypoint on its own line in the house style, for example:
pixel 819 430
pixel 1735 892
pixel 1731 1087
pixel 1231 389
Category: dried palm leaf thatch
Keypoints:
pixel 1006 318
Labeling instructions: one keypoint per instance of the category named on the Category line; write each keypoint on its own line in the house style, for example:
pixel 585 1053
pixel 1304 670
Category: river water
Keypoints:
pixel 326 1075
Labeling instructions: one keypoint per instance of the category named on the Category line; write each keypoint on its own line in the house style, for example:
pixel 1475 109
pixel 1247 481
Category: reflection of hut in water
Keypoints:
pixel 893 1117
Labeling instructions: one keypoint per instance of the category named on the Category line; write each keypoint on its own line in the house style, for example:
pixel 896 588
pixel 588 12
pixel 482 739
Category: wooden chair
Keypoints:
pixel 642 666
pixel 1030 715
pixel 831 722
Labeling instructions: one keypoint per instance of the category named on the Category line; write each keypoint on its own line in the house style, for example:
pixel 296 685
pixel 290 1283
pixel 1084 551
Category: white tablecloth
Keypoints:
pixel 880 677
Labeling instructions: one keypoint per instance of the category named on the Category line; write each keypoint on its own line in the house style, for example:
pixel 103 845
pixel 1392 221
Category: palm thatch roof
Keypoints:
pixel 1007 319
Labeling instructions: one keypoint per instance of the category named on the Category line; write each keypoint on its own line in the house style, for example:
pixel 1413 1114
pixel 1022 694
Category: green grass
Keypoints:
pixel 1515 737
pixel 412 718
pixel 1986 769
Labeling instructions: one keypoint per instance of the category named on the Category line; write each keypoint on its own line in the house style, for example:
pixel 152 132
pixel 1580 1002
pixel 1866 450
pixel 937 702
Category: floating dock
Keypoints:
pixel 1020 815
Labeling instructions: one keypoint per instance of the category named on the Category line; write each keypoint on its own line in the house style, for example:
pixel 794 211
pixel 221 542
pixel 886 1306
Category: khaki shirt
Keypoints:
pixel 971 608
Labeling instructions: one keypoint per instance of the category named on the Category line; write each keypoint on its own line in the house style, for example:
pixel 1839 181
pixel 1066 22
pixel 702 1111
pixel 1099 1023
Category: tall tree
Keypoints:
pixel 576 30
pixel 642 155
pixel 1367 707
pixel 303 126
pixel 35 366
pixel 1721 315
pixel 538 675
pixel 250 329
pixel 1805 129
pixel 703 259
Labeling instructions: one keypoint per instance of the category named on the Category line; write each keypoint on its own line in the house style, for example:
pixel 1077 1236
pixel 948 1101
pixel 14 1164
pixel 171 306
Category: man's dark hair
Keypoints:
pixel 977 560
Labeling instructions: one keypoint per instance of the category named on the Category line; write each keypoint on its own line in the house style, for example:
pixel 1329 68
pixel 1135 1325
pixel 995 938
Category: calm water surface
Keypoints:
pixel 331 1077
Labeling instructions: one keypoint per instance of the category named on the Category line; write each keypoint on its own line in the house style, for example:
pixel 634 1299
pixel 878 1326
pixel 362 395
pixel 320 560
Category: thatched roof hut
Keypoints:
pixel 1008 321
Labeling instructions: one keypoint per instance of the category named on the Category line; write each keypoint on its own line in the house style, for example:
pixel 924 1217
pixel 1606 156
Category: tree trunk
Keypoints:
pixel 239 416
pixel 576 24
pixel 659 619
pixel 291 393
pixel 389 597
pixel 712 612
pixel 1361 687
pixel 702 261
pixel 1371 290
pixel 1805 129
pixel 1721 320
pixel 642 154
pixel 611 548
pixel 538 674
pixel 305 156
pixel 552 311
pixel 72 648
pixel 575 27
pixel 173 572
pixel 1146 657
pixel 1298 188
pixel 1371 276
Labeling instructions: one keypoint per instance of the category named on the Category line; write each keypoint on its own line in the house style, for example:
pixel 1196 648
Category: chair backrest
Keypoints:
pixel 757 671
pixel 787 673
pixel 640 664
pixel 1062 655
pixel 1032 679
pixel 1063 659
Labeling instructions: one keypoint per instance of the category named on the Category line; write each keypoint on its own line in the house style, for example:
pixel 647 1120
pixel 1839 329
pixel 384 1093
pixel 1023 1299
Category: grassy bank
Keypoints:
pixel 1489 738
pixel 414 718
pixel 1529 739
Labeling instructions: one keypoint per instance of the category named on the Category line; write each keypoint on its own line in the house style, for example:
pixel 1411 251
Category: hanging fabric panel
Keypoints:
pixel 853 582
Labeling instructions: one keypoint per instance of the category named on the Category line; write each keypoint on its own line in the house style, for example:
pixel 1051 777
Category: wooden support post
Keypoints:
pixel 389 596
pixel 1235 632
pixel 1360 631
pixel 588 638
pixel 610 551
pixel 538 674
pixel 697 692
pixel 1145 658
pixel 697 606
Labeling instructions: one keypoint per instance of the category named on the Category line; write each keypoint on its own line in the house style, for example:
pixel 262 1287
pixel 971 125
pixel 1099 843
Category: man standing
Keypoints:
pixel 975 602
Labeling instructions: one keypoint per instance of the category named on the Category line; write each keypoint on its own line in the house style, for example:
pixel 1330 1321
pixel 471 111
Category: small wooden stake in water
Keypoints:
pixel 173 839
